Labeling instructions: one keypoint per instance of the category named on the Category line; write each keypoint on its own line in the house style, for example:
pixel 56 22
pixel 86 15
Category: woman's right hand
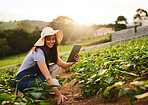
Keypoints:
pixel 61 99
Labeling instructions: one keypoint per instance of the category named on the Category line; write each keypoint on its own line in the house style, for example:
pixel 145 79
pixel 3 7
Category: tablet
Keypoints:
pixel 76 49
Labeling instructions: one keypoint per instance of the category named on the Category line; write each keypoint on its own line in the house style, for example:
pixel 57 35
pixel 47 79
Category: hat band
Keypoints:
pixel 46 31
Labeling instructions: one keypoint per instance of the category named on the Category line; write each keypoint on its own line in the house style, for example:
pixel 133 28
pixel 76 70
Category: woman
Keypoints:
pixel 36 62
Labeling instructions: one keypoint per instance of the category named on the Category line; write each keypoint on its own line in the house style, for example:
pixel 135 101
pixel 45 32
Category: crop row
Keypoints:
pixel 103 72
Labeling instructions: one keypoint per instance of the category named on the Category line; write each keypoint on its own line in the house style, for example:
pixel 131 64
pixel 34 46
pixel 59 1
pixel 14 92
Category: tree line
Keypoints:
pixel 16 41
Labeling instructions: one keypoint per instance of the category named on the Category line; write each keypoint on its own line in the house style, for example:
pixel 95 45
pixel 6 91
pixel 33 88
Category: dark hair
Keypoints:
pixel 51 54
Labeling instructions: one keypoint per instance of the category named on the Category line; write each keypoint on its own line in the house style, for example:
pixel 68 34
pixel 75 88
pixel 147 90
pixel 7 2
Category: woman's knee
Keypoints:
pixel 54 70
pixel 54 67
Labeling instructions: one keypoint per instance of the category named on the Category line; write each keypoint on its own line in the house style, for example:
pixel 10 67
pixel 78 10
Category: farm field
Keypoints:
pixel 111 75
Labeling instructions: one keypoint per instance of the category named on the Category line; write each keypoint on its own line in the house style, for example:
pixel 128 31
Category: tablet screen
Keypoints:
pixel 76 49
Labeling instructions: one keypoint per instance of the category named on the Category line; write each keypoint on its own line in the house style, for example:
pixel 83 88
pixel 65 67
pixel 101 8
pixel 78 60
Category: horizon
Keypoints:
pixel 81 11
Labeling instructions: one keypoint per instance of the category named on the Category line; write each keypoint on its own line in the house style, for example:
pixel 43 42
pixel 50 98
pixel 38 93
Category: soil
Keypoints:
pixel 73 95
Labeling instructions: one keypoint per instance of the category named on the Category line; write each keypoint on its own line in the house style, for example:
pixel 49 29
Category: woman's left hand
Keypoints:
pixel 77 57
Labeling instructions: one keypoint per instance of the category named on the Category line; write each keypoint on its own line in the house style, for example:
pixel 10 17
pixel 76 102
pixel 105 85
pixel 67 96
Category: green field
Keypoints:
pixel 102 72
pixel 98 39
pixel 13 25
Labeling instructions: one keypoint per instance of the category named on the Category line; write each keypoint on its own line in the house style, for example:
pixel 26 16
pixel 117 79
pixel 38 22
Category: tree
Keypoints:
pixel 36 34
pixel 19 41
pixel 4 47
pixel 36 29
pixel 2 28
pixel 121 19
pixel 25 26
pixel 141 14
pixel 120 23
pixel 119 27
pixel 65 24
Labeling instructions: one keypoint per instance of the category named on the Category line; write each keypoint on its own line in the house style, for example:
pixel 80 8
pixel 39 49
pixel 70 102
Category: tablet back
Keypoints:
pixel 76 49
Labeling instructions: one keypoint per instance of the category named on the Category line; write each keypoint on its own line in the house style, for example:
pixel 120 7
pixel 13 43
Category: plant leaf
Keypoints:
pixel 36 95
pixel 132 94
pixel 142 95
pixel 123 91
pixel 102 71
pixel 97 80
pixel 44 103
pixel 110 87
pixel 68 80
pixel 107 79
pixel 107 89
pixel 80 85
pixel 76 83
pixel 5 97
pixel 28 99
pixel 126 72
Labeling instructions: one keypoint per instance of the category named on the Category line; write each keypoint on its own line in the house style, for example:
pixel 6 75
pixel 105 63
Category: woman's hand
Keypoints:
pixel 61 99
pixel 77 57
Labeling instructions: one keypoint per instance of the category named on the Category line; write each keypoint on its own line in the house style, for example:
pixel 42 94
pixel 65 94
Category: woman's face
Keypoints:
pixel 50 41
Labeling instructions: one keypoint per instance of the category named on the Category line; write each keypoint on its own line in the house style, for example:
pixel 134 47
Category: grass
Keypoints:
pixel 11 60
pixel 17 59
pixel 94 40
pixel 66 48
pixel 13 25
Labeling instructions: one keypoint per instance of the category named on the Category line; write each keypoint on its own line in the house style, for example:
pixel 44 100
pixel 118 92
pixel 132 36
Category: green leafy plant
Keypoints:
pixel 37 93
pixel 99 71
pixel 134 94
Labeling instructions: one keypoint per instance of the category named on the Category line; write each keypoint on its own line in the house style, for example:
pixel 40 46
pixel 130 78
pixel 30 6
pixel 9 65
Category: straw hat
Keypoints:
pixel 49 31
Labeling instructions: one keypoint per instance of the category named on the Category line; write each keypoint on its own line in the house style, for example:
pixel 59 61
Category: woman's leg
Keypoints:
pixel 54 70
pixel 22 81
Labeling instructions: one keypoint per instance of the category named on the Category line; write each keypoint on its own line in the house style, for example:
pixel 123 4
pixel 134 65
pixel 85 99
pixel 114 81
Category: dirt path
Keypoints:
pixel 72 93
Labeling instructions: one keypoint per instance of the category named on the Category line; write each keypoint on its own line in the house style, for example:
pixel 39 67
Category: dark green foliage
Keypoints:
pixel 119 27
pixel 17 41
pixel 34 95
pixel 104 71
pixel 40 90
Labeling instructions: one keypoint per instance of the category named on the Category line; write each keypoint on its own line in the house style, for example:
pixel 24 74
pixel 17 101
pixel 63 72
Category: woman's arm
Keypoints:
pixel 67 64
pixel 46 73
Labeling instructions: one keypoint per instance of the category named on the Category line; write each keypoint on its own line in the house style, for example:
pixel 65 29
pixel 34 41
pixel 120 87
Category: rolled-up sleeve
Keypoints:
pixel 38 55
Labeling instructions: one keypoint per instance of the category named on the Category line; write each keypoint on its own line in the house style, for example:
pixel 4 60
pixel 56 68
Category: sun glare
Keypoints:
pixel 88 13
pixel 82 11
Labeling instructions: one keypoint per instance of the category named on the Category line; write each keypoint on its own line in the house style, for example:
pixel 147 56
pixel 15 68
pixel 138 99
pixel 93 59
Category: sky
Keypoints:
pixel 81 11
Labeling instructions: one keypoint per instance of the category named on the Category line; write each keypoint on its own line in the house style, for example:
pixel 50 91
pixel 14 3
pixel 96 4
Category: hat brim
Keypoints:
pixel 59 37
